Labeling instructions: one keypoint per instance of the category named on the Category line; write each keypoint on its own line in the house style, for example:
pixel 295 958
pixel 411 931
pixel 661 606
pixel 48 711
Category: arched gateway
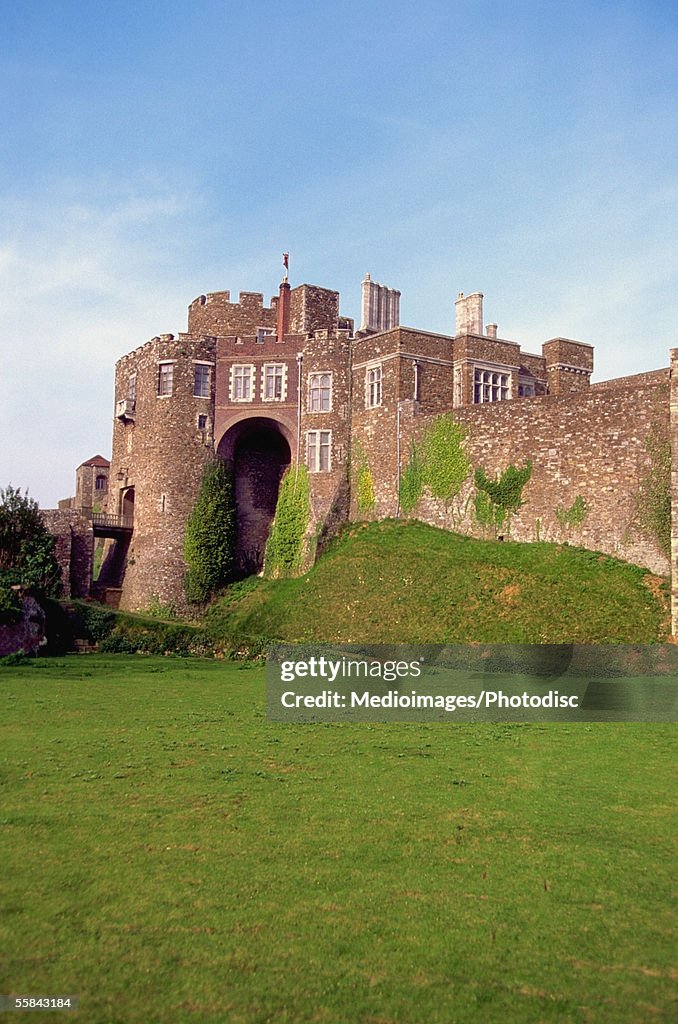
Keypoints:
pixel 259 452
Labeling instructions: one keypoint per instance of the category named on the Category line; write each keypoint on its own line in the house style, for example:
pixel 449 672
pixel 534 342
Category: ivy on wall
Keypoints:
pixel 445 460
pixel 574 515
pixel 285 545
pixel 364 481
pixel 209 539
pixel 438 463
pixel 498 500
pixel 412 481
pixel 653 502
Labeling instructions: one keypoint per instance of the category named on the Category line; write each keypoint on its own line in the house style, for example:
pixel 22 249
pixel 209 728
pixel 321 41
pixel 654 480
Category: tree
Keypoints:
pixel 209 542
pixel 26 551
pixel 26 546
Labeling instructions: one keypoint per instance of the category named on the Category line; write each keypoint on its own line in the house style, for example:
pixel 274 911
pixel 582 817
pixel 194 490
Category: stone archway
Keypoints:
pixel 259 453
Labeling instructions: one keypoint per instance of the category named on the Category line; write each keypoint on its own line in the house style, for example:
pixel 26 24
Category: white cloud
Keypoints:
pixel 83 279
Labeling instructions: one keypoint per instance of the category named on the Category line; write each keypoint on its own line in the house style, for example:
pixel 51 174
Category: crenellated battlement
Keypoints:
pixel 168 342
pixel 215 314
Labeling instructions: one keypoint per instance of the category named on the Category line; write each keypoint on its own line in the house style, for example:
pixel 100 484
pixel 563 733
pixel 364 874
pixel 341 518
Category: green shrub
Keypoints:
pixel 285 545
pixel 157 610
pixel 131 637
pixel 17 659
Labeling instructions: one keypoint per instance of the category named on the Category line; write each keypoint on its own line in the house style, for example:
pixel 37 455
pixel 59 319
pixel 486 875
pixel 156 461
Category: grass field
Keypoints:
pixel 405 582
pixel 170 855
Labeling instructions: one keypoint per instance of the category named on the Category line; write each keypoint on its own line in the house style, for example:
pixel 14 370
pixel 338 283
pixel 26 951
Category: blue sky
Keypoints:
pixel 150 153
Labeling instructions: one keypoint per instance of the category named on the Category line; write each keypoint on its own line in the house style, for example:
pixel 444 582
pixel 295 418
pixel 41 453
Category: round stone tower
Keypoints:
pixel 162 438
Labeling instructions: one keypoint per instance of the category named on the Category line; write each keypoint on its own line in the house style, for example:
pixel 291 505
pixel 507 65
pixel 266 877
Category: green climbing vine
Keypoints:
pixel 574 515
pixel 437 463
pixel 364 481
pixel 653 502
pixel 445 459
pixel 209 540
pixel 498 500
pixel 285 546
pixel 412 481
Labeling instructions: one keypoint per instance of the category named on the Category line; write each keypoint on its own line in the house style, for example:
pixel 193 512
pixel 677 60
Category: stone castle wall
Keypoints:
pixel 591 444
pixel 74 549
pixel 215 314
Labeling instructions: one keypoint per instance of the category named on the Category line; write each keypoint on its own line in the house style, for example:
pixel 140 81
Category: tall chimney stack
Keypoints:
pixel 284 310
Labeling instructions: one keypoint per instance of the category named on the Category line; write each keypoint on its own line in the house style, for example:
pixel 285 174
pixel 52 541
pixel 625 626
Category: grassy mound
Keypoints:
pixel 404 582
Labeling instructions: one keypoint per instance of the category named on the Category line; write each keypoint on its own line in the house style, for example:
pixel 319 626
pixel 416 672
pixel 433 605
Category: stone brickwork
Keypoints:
pixel 569 365
pixel 590 445
pixel 74 549
pixel 215 314
pixel 91 487
pixel 159 451
pixel 27 635
pixel 327 354
pixel 416 377
pixel 290 381
pixel 313 309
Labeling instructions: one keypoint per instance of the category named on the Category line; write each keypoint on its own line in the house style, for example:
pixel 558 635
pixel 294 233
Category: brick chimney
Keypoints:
pixel 283 310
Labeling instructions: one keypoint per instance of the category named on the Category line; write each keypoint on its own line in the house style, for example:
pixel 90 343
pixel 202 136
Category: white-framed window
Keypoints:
pixel 274 382
pixel 319 451
pixel 165 379
pixel 264 332
pixel 202 421
pixel 490 386
pixel 373 387
pixel 242 382
pixel 201 380
pixel 319 392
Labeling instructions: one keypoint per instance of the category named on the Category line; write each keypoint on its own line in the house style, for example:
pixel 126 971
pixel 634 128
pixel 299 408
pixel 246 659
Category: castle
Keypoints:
pixel 263 386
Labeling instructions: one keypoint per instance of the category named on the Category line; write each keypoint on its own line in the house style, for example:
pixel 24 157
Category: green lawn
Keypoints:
pixel 405 582
pixel 169 855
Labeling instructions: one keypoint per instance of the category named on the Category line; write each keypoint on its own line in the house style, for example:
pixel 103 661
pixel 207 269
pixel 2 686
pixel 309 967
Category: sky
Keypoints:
pixel 150 153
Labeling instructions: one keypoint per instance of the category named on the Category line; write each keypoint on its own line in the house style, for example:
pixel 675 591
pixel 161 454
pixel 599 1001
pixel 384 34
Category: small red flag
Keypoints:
pixel 286 260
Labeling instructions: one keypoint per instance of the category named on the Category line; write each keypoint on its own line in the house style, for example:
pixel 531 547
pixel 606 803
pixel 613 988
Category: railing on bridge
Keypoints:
pixel 110 522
